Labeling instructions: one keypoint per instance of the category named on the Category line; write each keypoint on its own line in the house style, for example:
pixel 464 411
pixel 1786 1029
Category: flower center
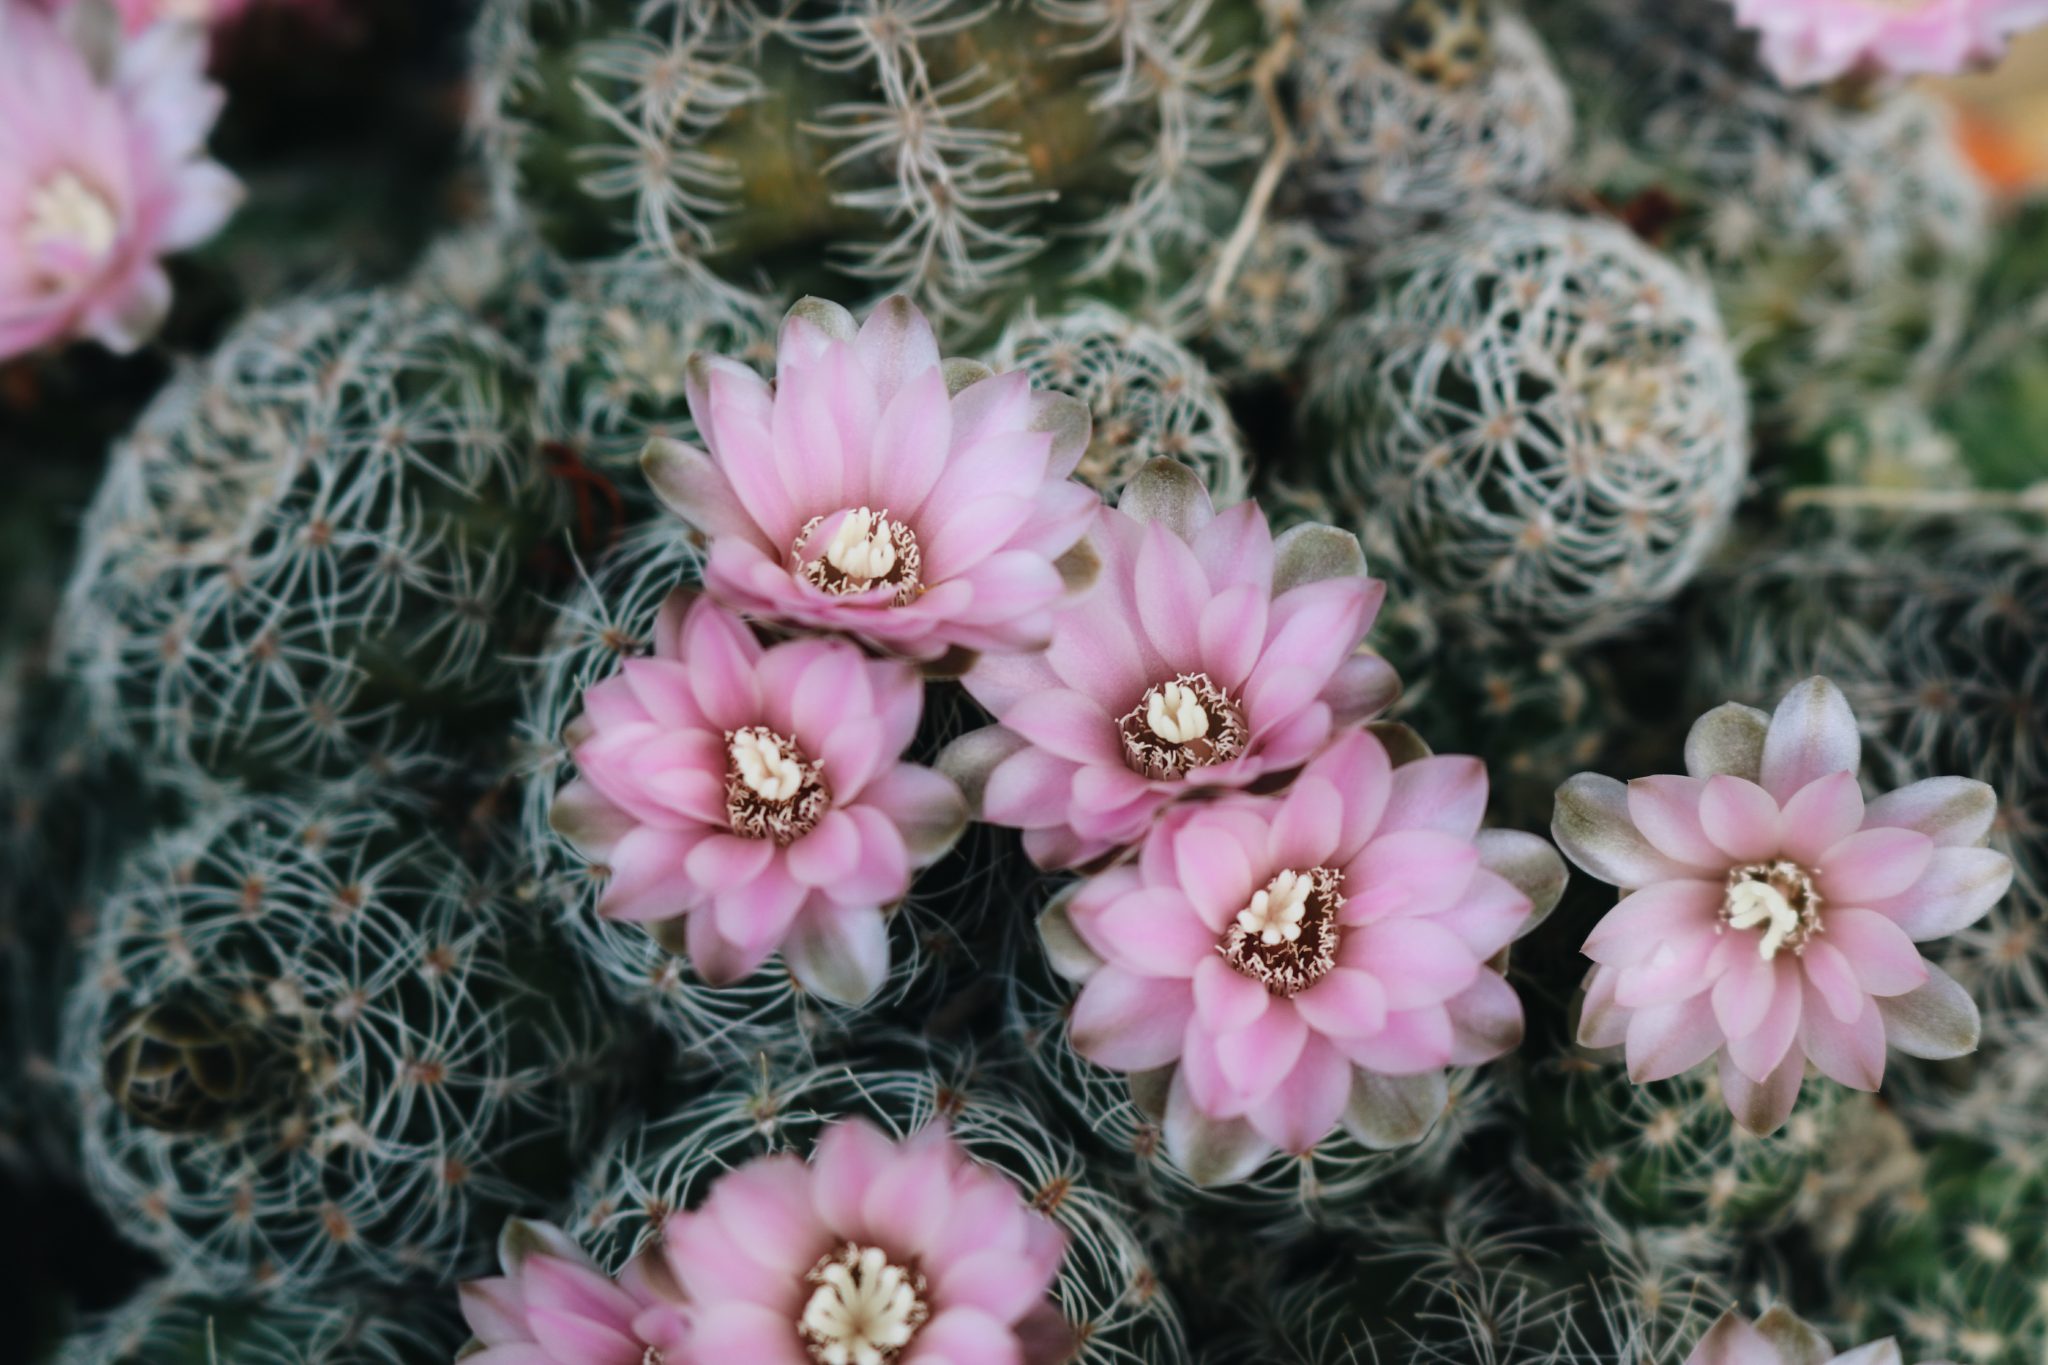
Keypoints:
pixel 1182 725
pixel 65 211
pixel 771 790
pixel 865 1308
pixel 866 550
pixel 1285 938
pixel 1777 898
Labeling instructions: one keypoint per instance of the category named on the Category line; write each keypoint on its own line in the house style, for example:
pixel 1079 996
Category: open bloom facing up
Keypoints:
pixel 873 1253
pixel 1771 914
pixel 1207 655
pixel 749 799
pixel 1779 1338
pixel 921 507
pixel 102 173
pixel 1806 42
pixel 1307 960
pixel 553 1306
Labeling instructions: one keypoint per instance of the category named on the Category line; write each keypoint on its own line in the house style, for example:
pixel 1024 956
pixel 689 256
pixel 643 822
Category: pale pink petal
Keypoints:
pixel 1877 950
pixel 1304 1108
pixel 1446 793
pixel 1344 1004
pixel 1413 1042
pixel 1128 1022
pixel 1813 733
pixel 1762 1108
pixel 1850 1051
pixel 1633 929
pixel 1958 888
pixel 1667 811
pixel 1955 812
pixel 1820 815
pixel 1416 962
pixel 1486 1020
pixel 1226 1000
pixel 1741 818
pixel 1664 1040
pixel 1873 865
pixel 965 1336
pixel 1758 1052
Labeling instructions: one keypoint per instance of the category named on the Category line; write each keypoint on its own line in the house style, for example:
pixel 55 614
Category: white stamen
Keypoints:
pixel 861 548
pixel 1175 714
pixel 862 1313
pixel 64 210
pixel 765 765
pixel 1751 904
pixel 1276 911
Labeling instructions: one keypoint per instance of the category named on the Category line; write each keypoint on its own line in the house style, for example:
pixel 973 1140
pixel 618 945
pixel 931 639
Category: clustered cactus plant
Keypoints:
pixel 1379 696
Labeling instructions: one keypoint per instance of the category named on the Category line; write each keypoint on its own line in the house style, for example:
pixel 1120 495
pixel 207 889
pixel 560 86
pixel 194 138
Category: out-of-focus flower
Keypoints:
pixel 1208 655
pixel 873 1253
pixel 1779 1338
pixel 102 174
pixel 553 1306
pixel 1310 959
pixel 918 505
pixel 1806 42
pixel 748 800
pixel 1771 914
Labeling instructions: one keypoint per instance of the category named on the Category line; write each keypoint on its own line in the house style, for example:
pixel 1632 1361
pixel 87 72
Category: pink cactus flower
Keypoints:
pixel 1770 913
pixel 1807 42
pixel 102 173
pixel 553 1306
pixel 873 1253
pixel 1309 959
pixel 749 800
pixel 137 15
pixel 1779 1338
pixel 1207 656
pixel 919 506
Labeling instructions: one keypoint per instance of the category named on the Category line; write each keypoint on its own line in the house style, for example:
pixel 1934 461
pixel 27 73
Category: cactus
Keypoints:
pixel 1285 294
pixel 306 1055
pixel 1418 109
pixel 1538 419
pixel 1107 1290
pixel 311 545
pixel 610 619
pixel 1151 397
pixel 933 149
pixel 163 1325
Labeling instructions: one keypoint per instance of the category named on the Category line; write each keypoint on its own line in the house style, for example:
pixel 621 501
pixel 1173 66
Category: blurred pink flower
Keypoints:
pixel 102 173
pixel 553 1306
pixel 1806 42
pixel 748 800
pixel 1771 914
pixel 919 506
pixel 1207 656
pixel 1307 960
pixel 908 1253
pixel 1779 1338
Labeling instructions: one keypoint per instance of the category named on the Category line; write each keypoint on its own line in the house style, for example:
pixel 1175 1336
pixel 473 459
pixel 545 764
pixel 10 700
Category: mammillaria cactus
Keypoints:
pixel 1770 915
pixel 1419 108
pixel 1284 295
pixel 164 1325
pixel 1150 397
pixel 305 1055
pixel 1538 418
pixel 310 547
pixel 932 149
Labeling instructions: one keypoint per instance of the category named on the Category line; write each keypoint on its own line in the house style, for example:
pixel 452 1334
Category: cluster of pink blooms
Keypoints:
pixel 1304 955
pixel 873 1251
pixel 103 173
pixel 1770 914
pixel 1807 42
pixel 1779 1338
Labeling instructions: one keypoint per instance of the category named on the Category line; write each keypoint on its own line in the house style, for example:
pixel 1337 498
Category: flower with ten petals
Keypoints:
pixel 102 173
pixel 747 800
pixel 873 1253
pixel 1770 914
pixel 920 506
pixel 1307 960
pixel 1206 656
pixel 553 1306
pixel 1806 42
pixel 1779 1338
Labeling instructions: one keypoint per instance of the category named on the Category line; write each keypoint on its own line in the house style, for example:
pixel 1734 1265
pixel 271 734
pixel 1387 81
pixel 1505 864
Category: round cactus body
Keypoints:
pixel 307 1053
pixel 163 1325
pixel 310 547
pixel 1284 296
pixel 1538 419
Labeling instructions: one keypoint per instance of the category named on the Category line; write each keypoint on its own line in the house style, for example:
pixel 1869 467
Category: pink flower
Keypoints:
pixel 1770 913
pixel 1307 960
pixel 749 800
pixel 102 172
pixel 921 507
pixel 553 1306
pixel 1779 1338
pixel 875 1253
pixel 1807 42
pixel 1207 656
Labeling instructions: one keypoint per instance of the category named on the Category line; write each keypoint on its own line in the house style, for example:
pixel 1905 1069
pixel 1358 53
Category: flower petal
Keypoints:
pixel 1812 733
